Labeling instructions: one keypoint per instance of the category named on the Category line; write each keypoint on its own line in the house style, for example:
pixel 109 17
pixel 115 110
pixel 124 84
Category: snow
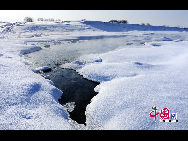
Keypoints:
pixel 119 27
pixel 27 100
pixel 132 78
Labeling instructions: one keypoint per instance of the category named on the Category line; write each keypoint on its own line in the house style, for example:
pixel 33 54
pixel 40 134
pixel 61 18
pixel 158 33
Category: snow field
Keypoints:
pixel 132 81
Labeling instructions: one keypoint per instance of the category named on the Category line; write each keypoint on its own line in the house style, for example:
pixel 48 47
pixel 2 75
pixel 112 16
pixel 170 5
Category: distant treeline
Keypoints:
pixel 29 19
pixel 125 21
pixel 49 19
pixel 118 21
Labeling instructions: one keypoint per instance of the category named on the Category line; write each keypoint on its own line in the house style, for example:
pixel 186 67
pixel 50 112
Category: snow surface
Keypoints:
pixel 132 79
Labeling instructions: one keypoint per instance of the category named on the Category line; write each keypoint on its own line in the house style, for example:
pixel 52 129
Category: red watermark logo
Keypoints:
pixel 165 115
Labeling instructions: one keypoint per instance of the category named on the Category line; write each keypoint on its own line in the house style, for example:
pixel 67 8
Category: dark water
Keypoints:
pixel 75 89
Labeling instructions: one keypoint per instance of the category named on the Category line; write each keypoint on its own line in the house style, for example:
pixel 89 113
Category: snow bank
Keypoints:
pixel 27 101
pixel 132 81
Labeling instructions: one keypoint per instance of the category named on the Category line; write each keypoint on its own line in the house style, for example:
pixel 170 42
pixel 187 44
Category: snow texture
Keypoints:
pixel 132 79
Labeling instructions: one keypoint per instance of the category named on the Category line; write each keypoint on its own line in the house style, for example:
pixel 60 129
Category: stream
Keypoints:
pixel 77 91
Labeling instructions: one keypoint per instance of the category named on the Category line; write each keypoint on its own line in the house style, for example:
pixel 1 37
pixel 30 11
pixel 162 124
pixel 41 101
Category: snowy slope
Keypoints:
pixel 122 27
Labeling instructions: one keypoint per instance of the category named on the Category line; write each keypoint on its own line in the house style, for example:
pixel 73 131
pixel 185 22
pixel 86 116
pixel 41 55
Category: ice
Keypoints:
pixel 42 69
pixel 29 50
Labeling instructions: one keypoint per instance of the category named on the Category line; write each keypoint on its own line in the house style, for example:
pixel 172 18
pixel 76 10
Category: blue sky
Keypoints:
pixel 154 17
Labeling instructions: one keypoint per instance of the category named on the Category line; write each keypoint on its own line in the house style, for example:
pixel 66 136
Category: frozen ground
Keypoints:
pixel 132 78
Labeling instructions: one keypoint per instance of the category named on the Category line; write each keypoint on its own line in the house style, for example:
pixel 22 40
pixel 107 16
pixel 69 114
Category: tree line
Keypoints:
pixel 118 21
pixel 29 19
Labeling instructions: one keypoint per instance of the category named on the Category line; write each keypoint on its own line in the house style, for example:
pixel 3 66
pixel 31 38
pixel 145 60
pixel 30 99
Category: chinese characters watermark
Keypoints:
pixel 165 115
